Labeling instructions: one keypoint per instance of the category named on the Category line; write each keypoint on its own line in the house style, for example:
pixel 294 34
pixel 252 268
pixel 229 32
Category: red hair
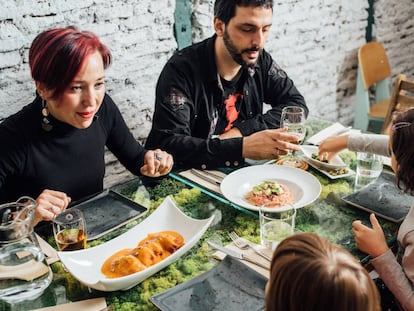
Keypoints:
pixel 56 56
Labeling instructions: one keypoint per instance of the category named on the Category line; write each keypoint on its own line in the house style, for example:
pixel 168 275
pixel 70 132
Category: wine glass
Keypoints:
pixel 294 118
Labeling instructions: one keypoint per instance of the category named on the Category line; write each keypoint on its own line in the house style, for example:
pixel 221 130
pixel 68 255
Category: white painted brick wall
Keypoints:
pixel 315 41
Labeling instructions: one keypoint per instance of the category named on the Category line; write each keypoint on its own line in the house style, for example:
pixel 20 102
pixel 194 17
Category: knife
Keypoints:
pixel 206 178
pixel 238 255
pixel 209 173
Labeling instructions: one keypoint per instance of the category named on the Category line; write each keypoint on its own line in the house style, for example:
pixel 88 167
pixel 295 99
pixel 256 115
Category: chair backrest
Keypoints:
pixel 374 64
pixel 374 72
pixel 402 98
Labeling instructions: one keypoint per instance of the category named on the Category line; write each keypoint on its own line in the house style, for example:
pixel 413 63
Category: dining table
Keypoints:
pixel 328 216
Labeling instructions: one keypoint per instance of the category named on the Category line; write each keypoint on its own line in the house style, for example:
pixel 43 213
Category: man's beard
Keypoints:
pixel 237 57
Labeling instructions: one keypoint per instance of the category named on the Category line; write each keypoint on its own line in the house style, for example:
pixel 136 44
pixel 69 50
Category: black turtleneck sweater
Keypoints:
pixel 66 159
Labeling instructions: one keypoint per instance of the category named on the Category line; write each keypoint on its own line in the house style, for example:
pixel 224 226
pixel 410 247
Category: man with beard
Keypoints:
pixel 210 96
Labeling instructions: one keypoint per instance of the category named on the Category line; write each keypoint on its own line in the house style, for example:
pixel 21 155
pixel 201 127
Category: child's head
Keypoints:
pixel 310 273
pixel 402 149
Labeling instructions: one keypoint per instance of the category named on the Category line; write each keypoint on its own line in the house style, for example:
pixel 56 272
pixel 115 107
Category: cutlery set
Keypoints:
pixel 208 176
pixel 240 255
pixel 243 244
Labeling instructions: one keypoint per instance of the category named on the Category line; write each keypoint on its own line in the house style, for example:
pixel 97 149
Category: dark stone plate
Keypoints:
pixel 383 198
pixel 229 286
pixel 107 211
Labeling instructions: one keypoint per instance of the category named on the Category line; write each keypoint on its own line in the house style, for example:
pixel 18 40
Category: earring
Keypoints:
pixel 45 121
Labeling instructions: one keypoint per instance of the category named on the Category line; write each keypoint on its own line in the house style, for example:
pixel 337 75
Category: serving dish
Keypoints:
pixel 334 164
pixel 85 265
pixel 383 198
pixel 108 211
pixel 332 174
pixel 304 186
pixel 229 286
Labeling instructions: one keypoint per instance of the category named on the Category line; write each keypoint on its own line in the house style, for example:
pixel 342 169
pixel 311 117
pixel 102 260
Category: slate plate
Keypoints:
pixel 107 211
pixel 383 198
pixel 229 286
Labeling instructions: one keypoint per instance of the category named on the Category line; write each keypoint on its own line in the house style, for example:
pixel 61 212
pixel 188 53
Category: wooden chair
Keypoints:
pixel 402 98
pixel 374 74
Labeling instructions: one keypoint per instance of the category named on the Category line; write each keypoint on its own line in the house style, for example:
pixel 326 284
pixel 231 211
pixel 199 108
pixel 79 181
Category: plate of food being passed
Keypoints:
pixel 311 154
pixel 274 186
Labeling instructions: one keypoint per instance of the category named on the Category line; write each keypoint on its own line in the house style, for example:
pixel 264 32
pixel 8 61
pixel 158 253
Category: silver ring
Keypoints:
pixel 52 208
pixel 158 156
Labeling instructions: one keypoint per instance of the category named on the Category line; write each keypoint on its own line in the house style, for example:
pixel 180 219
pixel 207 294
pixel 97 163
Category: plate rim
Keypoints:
pixel 251 207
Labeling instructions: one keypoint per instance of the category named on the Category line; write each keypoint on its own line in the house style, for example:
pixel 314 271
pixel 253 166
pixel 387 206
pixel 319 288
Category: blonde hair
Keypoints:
pixel 310 273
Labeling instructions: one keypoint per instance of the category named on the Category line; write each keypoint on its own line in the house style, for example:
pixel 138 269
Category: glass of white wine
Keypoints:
pixel 294 118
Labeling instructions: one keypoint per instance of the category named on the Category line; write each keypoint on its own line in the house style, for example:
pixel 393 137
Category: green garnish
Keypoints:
pixel 268 188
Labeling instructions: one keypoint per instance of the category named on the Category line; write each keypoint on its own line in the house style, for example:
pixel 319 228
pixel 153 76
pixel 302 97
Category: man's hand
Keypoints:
pixel 269 144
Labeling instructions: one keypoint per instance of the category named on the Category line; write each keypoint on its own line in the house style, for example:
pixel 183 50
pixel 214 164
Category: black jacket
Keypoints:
pixel 189 97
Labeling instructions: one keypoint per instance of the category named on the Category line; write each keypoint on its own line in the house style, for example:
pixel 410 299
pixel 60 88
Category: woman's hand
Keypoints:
pixel 49 204
pixel 157 163
pixel 331 146
pixel 370 240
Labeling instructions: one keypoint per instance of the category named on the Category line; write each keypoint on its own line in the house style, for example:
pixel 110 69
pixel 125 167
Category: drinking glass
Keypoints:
pixel 69 230
pixel 276 224
pixel 369 167
pixel 294 118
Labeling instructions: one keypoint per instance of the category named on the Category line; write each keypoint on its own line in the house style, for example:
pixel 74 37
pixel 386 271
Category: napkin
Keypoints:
pixel 333 130
pixel 220 256
pixel 205 184
pixel 48 250
pixel 96 304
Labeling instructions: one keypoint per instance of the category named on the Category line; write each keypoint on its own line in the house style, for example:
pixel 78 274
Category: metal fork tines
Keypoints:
pixel 243 244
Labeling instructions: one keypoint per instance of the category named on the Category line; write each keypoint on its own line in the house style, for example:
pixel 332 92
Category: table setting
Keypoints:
pixel 208 208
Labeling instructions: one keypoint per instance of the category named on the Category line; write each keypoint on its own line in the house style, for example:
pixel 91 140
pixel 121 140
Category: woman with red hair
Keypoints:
pixel 53 149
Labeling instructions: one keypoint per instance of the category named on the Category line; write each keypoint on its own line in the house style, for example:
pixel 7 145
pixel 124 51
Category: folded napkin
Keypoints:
pixel 215 187
pixel 48 250
pixel 333 130
pixel 96 304
pixel 220 256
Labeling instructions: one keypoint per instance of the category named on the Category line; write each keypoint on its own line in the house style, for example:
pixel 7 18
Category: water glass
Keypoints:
pixel 369 167
pixel 275 225
pixel 69 230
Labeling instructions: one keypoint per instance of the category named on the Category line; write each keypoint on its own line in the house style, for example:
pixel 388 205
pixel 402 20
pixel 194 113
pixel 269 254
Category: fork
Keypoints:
pixel 243 244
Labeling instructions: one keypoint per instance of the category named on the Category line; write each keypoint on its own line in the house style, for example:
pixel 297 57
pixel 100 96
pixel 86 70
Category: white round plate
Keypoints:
pixel 305 187
pixel 335 163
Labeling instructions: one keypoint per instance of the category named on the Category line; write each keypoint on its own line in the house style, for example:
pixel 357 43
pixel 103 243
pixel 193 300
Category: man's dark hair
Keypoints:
pixel 226 9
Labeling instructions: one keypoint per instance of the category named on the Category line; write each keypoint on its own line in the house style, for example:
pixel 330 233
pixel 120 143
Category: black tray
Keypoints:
pixel 383 198
pixel 107 211
pixel 229 286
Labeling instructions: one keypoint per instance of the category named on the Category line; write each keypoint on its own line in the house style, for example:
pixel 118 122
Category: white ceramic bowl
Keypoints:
pixel 334 164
